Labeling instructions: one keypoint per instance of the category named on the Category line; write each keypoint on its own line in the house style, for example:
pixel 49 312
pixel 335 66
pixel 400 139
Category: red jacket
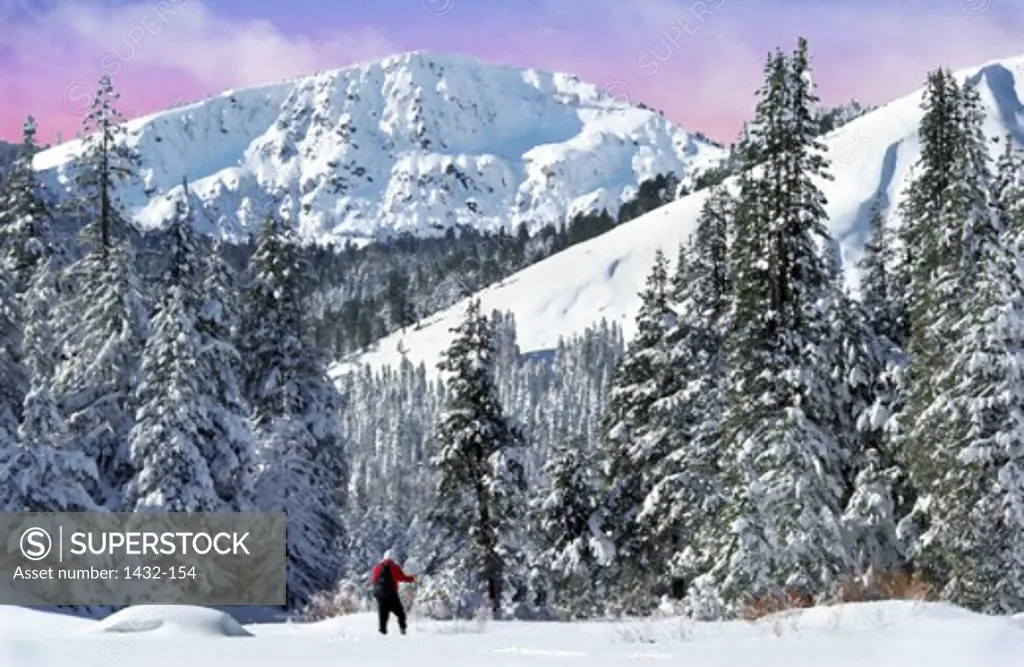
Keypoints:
pixel 396 573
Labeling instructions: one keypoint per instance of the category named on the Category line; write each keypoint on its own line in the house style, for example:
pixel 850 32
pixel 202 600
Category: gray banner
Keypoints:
pixel 87 558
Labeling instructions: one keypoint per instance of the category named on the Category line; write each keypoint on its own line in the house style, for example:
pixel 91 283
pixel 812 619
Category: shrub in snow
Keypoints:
pixel 702 601
pixel 448 596
pixel 344 600
pixel 890 585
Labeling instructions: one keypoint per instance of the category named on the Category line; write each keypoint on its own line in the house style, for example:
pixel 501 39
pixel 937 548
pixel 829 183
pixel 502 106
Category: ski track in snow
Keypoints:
pixel 562 295
pixel 906 634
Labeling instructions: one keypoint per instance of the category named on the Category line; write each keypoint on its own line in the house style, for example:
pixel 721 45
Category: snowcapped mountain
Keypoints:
pixel 412 143
pixel 871 157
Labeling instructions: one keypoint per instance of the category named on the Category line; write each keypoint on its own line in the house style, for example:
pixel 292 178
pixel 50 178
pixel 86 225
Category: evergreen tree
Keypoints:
pixel 49 474
pixel 786 467
pixel 1008 190
pixel 26 237
pixel 289 391
pixel 976 522
pixel 106 162
pixel 924 199
pixel 687 490
pixel 957 238
pixel 875 472
pixel 974 476
pixel 480 476
pixel 13 378
pixel 232 460
pixel 105 324
pixel 876 281
pixel 634 438
pixel 872 515
pixel 290 480
pixel 971 193
pixel 168 451
pixel 561 514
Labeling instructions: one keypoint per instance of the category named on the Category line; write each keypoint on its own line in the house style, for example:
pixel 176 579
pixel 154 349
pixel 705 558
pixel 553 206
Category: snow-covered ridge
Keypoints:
pixel 871 157
pixel 412 143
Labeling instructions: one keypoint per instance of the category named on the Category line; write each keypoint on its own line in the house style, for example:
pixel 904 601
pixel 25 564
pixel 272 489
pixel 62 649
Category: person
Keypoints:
pixel 385 579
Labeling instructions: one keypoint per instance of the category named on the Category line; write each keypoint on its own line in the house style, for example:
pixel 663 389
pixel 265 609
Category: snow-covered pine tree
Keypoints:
pixel 871 518
pixel 876 280
pixel 926 245
pixel 787 467
pixel 480 480
pixel 975 475
pixel 168 452
pixel 955 237
pixel 104 325
pixel 976 520
pixel 49 473
pixel 924 197
pixel 971 194
pixel 231 458
pixel 561 514
pixel 291 481
pixel 13 377
pixel 107 162
pixel 875 474
pixel 634 439
pixel 1008 189
pixel 687 492
pixel 296 415
pixel 26 237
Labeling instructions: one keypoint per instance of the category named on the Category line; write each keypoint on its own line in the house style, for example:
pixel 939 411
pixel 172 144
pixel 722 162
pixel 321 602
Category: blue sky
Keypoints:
pixel 698 60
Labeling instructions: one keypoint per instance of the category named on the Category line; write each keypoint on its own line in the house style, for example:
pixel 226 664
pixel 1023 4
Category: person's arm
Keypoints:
pixel 402 576
pixel 374 575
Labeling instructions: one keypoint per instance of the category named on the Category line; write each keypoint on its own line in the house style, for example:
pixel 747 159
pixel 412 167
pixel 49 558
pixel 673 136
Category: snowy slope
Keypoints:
pixel 409 143
pixel 858 635
pixel 567 292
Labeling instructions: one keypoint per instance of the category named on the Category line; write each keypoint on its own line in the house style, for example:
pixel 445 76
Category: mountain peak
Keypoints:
pixel 415 142
pixel 871 159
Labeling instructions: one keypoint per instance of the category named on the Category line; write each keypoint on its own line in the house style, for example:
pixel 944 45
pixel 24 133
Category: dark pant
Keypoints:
pixel 387 606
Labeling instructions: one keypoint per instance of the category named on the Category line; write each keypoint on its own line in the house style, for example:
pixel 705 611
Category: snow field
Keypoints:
pixel 876 634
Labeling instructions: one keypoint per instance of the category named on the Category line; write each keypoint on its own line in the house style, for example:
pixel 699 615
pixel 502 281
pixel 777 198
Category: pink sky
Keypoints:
pixel 698 60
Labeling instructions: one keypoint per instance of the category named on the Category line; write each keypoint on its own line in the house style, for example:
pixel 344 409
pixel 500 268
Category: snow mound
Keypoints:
pixel 24 623
pixel 172 620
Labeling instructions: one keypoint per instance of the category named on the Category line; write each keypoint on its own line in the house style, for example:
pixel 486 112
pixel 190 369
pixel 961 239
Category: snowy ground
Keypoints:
pixel 900 634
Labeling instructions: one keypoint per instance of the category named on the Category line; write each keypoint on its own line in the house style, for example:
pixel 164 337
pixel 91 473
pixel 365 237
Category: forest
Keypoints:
pixel 766 438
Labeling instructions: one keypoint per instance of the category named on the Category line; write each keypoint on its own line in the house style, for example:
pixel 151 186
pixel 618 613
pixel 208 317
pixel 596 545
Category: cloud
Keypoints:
pixel 186 36
pixel 161 51
pixel 698 60
pixel 701 60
